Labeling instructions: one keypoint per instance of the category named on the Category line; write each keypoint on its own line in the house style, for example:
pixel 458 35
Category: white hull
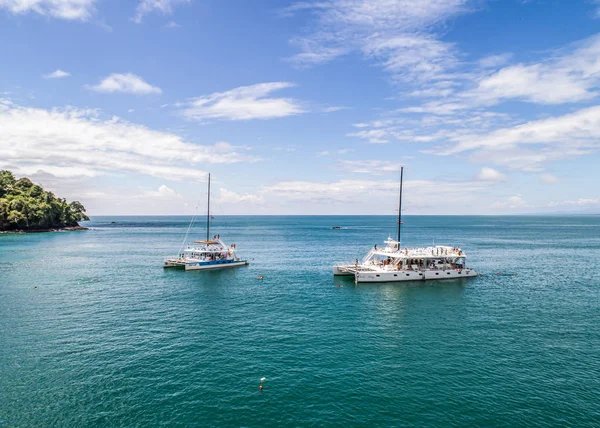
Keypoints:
pixel 198 266
pixel 406 275
pixel 174 263
pixel 338 272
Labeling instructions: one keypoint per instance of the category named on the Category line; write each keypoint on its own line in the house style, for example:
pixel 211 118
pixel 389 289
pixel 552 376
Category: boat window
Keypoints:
pixel 395 274
pixel 448 273
pixel 437 273
pixel 376 275
pixel 408 274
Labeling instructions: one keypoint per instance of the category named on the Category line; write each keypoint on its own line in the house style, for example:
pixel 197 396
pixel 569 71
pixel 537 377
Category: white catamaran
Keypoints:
pixel 211 253
pixel 393 263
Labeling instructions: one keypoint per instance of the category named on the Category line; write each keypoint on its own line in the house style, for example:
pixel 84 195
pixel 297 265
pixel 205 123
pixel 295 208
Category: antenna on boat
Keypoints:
pixel 208 212
pixel 400 207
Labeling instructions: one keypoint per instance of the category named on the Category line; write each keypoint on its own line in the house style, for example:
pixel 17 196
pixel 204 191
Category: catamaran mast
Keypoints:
pixel 400 207
pixel 208 212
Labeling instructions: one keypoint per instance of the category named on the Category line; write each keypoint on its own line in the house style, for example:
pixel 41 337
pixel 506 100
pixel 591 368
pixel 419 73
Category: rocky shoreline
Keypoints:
pixel 60 229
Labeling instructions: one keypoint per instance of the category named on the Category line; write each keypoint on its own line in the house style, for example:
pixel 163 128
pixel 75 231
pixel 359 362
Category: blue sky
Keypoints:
pixel 306 107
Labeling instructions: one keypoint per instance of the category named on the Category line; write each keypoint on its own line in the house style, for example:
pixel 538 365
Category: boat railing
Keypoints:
pixel 368 256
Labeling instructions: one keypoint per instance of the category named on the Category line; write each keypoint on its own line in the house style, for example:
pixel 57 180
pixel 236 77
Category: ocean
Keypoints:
pixel 94 333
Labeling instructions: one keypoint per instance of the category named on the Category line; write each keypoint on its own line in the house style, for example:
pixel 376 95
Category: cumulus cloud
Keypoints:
pixel 75 10
pixel 58 74
pixel 125 83
pixel 163 191
pixel 164 7
pixel 243 103
pixel 73 142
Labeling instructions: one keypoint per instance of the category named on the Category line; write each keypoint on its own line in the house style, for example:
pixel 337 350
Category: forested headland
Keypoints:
pixel 25 206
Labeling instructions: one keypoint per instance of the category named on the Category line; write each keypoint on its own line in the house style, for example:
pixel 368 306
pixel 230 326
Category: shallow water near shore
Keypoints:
pixel 93 331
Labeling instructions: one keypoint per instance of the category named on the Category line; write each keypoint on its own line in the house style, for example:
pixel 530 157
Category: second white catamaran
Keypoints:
pixel 393 263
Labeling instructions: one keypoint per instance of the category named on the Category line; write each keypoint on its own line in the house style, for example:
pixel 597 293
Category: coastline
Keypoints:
pixel 54 229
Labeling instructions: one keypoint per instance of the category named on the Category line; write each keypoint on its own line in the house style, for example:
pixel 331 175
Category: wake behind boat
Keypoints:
pixel 393 263
pixel 211 253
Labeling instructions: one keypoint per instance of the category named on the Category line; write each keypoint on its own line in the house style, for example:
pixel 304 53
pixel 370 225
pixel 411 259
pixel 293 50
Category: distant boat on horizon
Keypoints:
pixel 394 264
pixel 210 253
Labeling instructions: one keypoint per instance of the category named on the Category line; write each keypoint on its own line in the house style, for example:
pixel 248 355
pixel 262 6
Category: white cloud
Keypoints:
pixel 549 178
pixel 577 202
pixel 411 57
pixel 377 196
pixel 72 142
pixel 530 145
pixel 437 107
pixel 332 109
pixel 570 75
pixel 126 83
pixel 513 202
pixel 163 191
pixel 398 34
pixel 456 103
pixel 56 74
pixel 323 153
pixel 243 103
pixel 579 127
pixel 79 10
pixel 376 136
pixel 227 196
pixel 494 61
pixel 371 167
pixel 489 174
pixel 164 7
pixel 172 24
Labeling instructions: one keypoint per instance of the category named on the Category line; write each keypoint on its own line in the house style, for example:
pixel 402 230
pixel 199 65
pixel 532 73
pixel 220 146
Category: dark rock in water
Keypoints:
pixel 113 222
pixel 336 227
pixel 60 229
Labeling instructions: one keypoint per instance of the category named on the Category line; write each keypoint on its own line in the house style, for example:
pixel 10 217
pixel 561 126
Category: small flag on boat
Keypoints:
pixel 400 222
pixel 212 217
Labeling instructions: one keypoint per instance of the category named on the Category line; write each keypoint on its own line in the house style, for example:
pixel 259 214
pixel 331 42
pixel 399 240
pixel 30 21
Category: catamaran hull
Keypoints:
pixel 174 263
pixel 401 276
pixel 338 271
pixel 199 266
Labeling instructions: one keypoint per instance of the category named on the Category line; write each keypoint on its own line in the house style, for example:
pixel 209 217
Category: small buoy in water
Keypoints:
pixel 262 379
pixel 498 273
pixel 260 387
pixel 260 277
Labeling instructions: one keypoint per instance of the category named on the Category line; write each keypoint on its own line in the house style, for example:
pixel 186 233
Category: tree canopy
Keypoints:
pixel 27 206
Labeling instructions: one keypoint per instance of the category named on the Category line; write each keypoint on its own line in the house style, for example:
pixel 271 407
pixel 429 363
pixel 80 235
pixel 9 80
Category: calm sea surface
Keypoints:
pixel 94 333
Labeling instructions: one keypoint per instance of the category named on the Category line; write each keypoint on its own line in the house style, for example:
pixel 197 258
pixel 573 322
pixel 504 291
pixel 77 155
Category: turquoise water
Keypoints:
pixel 93 332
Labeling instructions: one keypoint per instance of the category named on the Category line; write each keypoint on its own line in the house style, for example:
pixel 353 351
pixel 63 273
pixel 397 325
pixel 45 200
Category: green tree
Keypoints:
pixel 25 205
